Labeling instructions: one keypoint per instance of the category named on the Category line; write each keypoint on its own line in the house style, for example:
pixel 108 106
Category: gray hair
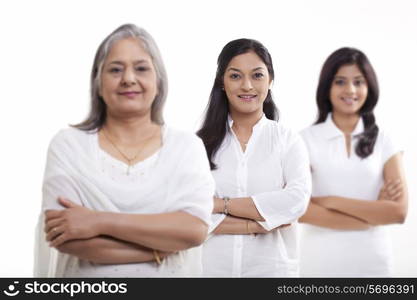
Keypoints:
pixel 97 114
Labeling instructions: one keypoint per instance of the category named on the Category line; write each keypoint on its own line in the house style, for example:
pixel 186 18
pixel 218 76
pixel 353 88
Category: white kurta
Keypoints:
pixel 345 253
pixel 176 178
pixel 274 171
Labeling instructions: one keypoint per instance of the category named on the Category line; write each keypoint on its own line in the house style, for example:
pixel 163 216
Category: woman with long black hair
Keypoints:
pixel 261 170
pixel 357 173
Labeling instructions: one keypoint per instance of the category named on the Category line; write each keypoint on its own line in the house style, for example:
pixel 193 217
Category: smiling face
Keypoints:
pixel 246 83
pixel 128 79
pixel 349 90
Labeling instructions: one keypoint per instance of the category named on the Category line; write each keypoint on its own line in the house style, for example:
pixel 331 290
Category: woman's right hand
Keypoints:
pixel 72 223
pixel 391 190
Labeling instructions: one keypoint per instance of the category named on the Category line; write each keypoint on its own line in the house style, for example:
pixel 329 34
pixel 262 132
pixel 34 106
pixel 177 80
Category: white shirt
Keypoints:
pixel 274 171
pixel 177 177
pixel 345 253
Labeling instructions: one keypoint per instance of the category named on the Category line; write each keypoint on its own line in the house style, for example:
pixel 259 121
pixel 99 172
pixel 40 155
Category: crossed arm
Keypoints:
pixel 107 250
pixel 277 208
pixel 105 237
pixel 352 214
pixel 242 218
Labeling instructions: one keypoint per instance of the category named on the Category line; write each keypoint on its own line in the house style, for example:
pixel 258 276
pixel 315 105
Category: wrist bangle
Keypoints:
pixel 156 257
pixel 226 201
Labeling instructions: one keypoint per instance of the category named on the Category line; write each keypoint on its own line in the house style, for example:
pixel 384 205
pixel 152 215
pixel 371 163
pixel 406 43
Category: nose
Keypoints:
pixel 128 77
pixel 350 88
pixel 247 84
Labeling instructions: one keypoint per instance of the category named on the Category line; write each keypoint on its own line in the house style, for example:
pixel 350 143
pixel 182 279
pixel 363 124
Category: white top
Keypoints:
pixel 274 171
pixel 177 177
pixel 345 253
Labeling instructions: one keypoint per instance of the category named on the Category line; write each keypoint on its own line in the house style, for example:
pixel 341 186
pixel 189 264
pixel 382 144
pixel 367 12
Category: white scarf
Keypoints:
pixel 182 166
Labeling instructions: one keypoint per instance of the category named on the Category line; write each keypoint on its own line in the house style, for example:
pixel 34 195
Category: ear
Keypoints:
pixel 271 83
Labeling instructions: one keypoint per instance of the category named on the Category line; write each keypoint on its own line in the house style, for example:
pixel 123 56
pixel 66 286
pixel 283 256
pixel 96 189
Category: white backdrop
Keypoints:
pixel 47 49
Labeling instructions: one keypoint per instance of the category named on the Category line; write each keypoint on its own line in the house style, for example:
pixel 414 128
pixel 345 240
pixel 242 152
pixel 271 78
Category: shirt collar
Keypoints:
pixel 330 129
pixel 258 124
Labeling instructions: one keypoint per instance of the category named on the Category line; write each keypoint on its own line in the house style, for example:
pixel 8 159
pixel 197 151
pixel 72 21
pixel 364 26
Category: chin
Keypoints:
pixel 248 110
pixel 349 111
pixel 130 111
pixel 246 107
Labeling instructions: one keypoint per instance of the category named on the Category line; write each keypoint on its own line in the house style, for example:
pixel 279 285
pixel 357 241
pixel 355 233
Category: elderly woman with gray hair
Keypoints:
pixel 123 194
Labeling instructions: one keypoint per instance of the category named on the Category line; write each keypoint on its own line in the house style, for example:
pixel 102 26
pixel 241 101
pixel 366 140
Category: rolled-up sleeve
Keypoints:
pixel 285 205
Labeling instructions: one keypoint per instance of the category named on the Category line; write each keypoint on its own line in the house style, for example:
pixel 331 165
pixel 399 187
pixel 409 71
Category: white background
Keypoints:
pixel 47 49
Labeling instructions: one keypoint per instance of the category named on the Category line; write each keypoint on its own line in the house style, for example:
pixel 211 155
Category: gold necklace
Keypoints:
pixel 129 160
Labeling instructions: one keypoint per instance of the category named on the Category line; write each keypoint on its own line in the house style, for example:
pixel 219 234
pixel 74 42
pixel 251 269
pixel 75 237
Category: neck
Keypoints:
pixel 346 123
pixel 130 130
pixel 245 121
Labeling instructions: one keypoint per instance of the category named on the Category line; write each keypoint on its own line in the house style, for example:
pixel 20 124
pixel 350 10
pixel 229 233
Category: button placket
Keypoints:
pixel 241 176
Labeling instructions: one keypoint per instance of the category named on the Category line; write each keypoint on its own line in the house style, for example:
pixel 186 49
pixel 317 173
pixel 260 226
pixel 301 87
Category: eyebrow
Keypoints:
pixel 118 62
pixel 344 77
pixel 237 70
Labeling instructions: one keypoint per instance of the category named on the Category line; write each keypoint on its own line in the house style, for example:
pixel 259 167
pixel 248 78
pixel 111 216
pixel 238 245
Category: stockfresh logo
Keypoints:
pixel 11 290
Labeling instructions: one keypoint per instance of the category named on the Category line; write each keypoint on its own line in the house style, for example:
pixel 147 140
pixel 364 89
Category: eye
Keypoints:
pixel 115 70
pixel 234 76
pixel 339 82
pixel 359 82
pixel 258 75
pixel 142 69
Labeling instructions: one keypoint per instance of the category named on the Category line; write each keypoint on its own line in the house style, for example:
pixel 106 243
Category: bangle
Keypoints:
pixel 157 258
pixel 226 201
pixel 247 227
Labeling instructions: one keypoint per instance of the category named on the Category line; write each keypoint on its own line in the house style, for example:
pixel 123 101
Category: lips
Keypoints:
pixel 247 97
pixel 349 100
pixel 129 94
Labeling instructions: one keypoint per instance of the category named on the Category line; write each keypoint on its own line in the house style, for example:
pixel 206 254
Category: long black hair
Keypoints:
pixel 213 130
pixel 351 56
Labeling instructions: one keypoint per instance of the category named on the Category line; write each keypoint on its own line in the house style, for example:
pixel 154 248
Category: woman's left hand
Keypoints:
pixel 72 223
pixel 322 201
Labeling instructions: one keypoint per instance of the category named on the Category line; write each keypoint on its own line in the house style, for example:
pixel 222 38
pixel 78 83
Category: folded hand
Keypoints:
pixel 72 223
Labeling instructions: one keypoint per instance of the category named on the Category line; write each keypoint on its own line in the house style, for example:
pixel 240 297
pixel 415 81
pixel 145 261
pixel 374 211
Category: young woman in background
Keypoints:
pixel 357 175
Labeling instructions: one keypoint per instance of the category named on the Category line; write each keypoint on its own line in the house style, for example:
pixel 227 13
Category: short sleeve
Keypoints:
pixel 389 146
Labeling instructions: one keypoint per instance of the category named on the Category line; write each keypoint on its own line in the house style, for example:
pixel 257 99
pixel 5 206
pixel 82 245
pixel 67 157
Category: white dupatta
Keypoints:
pixel 72 171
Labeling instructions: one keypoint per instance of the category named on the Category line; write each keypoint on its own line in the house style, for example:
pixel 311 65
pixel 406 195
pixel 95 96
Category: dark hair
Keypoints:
pixel 339 58
pixel 97 115
pixel 213 129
